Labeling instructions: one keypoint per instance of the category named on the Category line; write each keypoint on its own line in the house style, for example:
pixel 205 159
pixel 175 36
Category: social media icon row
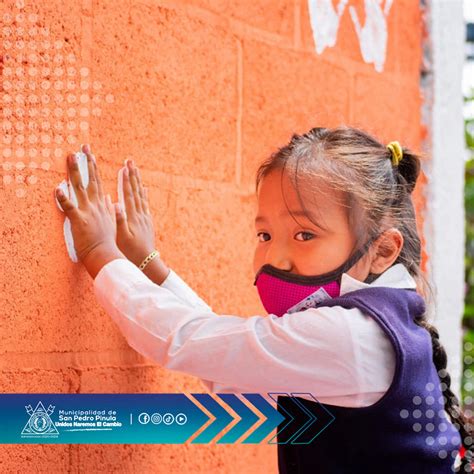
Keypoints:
pixel 168 418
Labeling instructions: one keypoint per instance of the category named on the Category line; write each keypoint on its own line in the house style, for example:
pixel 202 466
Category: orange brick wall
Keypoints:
pixel 197 92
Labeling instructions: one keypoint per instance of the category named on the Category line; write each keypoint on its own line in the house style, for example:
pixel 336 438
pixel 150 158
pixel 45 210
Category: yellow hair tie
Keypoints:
pixel 397 152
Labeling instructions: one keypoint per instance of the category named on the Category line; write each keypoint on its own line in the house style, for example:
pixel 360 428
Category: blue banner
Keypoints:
pixel 147 418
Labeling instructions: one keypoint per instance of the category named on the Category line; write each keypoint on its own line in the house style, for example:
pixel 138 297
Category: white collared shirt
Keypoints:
pixel 340 356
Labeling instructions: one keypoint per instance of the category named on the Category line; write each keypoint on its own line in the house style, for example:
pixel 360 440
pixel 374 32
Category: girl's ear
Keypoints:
pixel 387 249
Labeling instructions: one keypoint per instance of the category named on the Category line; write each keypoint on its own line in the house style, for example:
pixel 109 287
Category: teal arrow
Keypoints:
pixel 309 422
pixel 288 416
pixel 248 418
pixel 274 418
pixel 222 418
pixel 307 435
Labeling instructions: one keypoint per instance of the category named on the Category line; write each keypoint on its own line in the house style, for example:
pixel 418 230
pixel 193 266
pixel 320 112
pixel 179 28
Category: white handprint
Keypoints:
pixel 373 35
pixel 325 22
pixel 68 190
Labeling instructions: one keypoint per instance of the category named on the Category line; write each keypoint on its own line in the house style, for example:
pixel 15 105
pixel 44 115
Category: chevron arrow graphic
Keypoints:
pixel 306 418
pixel 273 418
pixel 322 419
pixel 223 418
pixel 292 412
pixel 247 418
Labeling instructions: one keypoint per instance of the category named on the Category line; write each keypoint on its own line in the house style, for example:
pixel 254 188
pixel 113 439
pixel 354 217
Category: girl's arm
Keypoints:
pixel 311 351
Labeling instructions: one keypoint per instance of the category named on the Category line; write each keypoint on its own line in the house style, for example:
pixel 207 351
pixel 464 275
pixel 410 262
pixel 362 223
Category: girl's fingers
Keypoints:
pixel 141 189
pixel 134 185
pixel 128 194
pixel 140 185
pixel 110 206
pixel 146 206
pixel 74 176
pixel 92 190
pixel 91 157
pixel 66 204
pixel 111 210
pixel 122 224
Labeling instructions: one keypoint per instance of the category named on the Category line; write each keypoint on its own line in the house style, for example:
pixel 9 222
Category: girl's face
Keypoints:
pixel 303 247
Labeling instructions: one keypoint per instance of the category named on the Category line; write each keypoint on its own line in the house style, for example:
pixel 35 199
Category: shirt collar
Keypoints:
pixel 396 276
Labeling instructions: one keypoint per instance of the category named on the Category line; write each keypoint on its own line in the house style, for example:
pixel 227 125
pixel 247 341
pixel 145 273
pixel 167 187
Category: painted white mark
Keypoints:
pixel 120 191
pixel 325 21
pixel 373 35
pixel 69 240
pixel 68 190
pixel 64 188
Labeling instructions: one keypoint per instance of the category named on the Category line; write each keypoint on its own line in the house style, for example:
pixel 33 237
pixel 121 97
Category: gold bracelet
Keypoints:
pixel 148 259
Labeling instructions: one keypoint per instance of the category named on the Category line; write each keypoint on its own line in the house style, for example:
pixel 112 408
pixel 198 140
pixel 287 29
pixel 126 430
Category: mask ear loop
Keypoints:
pixel 371 277
pixel 357 256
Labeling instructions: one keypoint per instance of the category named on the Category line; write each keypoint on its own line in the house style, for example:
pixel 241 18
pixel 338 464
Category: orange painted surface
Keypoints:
pixel 197 93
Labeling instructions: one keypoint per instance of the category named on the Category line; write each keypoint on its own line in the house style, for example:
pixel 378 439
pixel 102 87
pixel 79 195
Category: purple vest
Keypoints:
pixel 407 431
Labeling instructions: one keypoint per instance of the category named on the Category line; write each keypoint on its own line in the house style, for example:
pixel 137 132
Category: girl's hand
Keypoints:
pixel 135 232
pixel 92 222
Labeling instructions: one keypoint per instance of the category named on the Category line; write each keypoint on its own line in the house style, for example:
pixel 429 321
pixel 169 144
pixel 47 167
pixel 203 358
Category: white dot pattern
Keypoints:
pixel 430 420
pixel 42 80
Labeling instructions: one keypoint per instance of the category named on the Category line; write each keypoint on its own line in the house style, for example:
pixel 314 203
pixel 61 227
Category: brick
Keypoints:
pixel 409 39
pixel 388 109
pixel 36 457
pixel 174 87
pixel 217 246
pixel 40 458
pixel 232 459
pixel 275 16
pixel 286 92
pixel 37 380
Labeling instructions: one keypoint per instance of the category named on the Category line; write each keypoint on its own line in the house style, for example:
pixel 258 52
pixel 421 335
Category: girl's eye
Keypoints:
pixel 260 233
pixel 306 233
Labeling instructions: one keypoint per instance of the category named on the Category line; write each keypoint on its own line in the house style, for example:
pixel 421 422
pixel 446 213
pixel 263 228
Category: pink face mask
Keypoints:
pixel 284 292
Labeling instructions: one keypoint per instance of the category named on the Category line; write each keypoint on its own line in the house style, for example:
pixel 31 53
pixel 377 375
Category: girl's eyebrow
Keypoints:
pixel 282 214
pixel 299 213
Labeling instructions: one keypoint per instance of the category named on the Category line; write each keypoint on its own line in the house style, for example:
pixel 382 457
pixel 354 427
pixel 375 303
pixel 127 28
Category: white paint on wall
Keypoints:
pixel 325 20
pixel 120 190
pixel 372 35
pixel 68 190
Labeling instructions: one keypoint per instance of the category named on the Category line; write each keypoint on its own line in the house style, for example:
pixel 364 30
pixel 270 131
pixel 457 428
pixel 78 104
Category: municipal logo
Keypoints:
pixel 40 424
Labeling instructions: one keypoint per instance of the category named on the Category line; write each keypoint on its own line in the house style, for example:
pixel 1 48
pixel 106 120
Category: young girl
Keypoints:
pixel 346 324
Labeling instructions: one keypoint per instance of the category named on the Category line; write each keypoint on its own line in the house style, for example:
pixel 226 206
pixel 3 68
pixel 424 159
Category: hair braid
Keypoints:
pixel 460 420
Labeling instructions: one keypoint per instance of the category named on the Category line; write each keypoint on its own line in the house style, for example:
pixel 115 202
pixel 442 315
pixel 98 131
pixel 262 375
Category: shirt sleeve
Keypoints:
pixel 182 290
pixel 309 351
